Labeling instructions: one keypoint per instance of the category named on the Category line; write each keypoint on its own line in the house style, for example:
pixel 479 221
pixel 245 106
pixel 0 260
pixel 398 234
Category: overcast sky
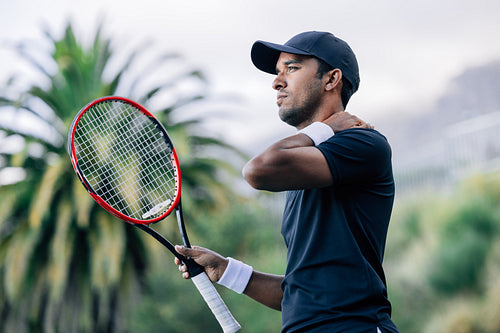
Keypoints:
pixel 407 50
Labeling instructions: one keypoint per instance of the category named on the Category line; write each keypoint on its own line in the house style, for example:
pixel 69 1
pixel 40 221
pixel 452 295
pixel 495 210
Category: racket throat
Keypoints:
pixel 182 227
pixel 193 268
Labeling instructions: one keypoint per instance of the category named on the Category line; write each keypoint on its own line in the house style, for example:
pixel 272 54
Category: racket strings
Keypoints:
pixel 126 160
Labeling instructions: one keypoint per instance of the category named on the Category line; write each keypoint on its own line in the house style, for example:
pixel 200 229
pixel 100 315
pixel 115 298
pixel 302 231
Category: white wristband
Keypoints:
pixel 236 275
pixel 318 132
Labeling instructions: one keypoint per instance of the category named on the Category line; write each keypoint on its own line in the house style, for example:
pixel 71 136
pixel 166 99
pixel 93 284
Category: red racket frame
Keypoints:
pixel 97 198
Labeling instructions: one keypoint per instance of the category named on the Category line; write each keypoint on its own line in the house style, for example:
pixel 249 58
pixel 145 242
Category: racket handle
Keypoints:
pixel 215 303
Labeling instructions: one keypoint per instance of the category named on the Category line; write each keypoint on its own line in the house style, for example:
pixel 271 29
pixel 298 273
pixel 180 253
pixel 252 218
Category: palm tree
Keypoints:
pixel 65 264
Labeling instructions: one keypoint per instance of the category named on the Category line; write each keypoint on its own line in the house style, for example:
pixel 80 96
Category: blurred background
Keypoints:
pixel 430 81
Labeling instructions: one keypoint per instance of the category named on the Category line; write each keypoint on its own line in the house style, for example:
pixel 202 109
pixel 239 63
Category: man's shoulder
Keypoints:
pixel 357 141
pixel 367 134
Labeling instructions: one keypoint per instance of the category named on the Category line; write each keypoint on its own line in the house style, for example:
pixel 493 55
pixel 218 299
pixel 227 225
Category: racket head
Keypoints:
pixel 125 159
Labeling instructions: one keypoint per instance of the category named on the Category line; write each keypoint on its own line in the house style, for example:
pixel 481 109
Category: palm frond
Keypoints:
pixel 204 141
pixel 84 207
pixel 124 69
pixel 61 255
pixel 43 197
pixel 18 257
pixel 149 71
pixel 60 251
pixel 28 57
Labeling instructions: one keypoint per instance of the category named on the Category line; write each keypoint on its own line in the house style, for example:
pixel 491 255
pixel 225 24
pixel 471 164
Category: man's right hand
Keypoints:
pixel 213 263
pixel 262 287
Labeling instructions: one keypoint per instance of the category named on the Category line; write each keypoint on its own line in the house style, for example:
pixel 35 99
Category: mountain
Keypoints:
pixel 458 128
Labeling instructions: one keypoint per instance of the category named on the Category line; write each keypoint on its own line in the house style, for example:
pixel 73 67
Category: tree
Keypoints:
pixel 65 264
pixel 442 259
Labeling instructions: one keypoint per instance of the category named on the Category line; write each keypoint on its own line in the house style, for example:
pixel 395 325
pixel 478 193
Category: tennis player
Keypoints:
pixel 338 176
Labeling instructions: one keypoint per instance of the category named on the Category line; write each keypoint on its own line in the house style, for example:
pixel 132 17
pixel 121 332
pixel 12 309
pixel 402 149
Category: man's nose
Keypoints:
pixel 279 82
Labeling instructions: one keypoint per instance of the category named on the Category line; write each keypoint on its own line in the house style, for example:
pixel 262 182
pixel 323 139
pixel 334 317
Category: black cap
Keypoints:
pixel 323 45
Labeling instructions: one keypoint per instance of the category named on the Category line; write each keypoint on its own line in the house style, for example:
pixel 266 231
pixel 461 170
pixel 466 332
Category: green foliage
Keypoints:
pixel 442 260
pixel 65 264
pixel 465 241
pixel 458 264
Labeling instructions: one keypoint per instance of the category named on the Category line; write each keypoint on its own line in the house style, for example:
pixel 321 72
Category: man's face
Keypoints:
pixel 299 88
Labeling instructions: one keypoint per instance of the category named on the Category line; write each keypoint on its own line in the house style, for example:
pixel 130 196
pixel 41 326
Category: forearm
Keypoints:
pixel 290 164
pixel 274 168
pixel 265 289
pixel 262 287
pixel 275 156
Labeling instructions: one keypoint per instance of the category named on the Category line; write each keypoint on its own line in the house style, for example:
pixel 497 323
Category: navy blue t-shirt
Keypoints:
pixel 335 238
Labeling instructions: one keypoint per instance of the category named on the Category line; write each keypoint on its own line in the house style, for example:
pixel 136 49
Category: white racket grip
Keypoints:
pixel 215 303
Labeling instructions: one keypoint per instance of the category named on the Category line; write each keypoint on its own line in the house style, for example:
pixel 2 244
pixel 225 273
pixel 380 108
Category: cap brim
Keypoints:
pixel 265 55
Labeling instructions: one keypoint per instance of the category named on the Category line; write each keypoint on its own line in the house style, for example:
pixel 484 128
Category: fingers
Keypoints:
pixel 194 252
pixel 359 122
pixel 182 250
pixel 190 252
pixel 212 262
pixel 362 124
pixel 182 268
pixel 344 120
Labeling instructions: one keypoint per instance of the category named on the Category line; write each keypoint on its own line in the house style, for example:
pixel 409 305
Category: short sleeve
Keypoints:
pixel 357 156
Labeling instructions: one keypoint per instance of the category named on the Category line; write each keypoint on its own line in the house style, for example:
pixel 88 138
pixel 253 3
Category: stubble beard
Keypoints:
pixel 303 112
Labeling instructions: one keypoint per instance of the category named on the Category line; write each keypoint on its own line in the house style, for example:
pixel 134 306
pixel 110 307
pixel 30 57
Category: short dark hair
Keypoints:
pixel 346 92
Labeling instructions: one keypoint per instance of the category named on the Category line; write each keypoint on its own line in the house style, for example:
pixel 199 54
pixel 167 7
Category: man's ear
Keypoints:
pixel 334 80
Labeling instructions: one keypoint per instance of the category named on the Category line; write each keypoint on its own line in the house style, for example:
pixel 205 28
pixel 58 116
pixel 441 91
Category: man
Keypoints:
pixel 340 190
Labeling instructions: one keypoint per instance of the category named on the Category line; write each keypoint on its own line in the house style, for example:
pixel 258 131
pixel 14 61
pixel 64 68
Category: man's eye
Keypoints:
pixel 292 68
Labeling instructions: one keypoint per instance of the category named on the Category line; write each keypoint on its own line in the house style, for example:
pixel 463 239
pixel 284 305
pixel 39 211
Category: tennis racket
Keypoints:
pixel 126 161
